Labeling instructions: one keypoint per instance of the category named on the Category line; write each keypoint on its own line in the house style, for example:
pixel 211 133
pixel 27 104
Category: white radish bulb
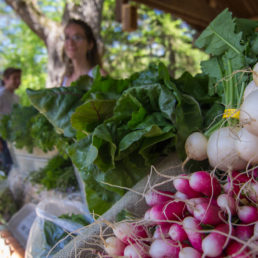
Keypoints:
pixel 196 146
pixel 221 150
pixel 247 146
pixel 114 246
pixel 255 74
pixel 249 113
pixel 250 88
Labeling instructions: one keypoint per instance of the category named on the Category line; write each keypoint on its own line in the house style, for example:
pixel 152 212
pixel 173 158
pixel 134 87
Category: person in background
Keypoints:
pixel 11 81
pixel 81 51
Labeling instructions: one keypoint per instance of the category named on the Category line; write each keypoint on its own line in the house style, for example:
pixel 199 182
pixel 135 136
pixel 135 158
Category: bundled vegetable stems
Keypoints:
pixel 231 142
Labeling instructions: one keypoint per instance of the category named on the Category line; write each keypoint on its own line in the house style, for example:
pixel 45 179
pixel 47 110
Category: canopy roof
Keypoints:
pixel 199 13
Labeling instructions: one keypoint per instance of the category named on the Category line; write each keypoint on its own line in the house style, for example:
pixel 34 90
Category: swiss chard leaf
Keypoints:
pixel 58 104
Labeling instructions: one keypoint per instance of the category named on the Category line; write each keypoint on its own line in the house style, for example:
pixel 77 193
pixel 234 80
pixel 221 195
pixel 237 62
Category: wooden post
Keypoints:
pixel 129 17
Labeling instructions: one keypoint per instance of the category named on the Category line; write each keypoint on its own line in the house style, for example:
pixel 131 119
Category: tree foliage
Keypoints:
pixel 159 37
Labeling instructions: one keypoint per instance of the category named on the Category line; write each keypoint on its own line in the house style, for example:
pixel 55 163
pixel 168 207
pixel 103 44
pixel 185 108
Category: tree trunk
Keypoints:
pixel 50 31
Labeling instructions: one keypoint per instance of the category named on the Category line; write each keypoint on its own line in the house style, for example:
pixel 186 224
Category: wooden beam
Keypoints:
pixel 197 13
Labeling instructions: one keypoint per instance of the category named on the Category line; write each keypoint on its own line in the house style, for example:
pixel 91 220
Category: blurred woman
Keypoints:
pixel 11 81
pixel 81 51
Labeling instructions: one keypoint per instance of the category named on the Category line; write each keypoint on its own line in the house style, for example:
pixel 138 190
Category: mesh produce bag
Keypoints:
pixel 88 240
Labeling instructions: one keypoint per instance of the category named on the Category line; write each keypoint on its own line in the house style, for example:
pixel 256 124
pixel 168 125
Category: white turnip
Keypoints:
pixel 255 74
pixel 221 150
pixel 247 146
pixel 250 88
pixel 196 146
pixel 249 113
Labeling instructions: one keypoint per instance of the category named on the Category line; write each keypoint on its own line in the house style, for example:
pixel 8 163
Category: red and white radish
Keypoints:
pixel 114 246
pixel 180 196
pixel 244 232
pixel 213 244
pixel 252 191
pixel 227 203
pixel 247 146
pixel 162 248
pixel 207 214
pixel 182 185
pixel 234 248
pixel 189 252
pixel 129 232
pixel 136 251
pixel 247 214
pixel 177 233
pixel 204 182
pixel 192 228
pixel 196 146
pixel 172 210
pixel 157 197
pixel 221 150
pixel 192 203
pixel 249 113
pixel 161 231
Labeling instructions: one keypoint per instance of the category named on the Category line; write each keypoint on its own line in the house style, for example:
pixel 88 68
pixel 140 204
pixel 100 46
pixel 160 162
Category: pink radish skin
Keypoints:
pixel 203 182
pixel 157 197
pixel 189 252
pixel 207 213
pixel 234 247
pixel 247 214
pixel 114 246
pixel 231 189
pixel 129 232
pixel 191 204
pixel 161 231
pixel 253 191
pixel 241 178
pixel 212 245
pixel 177 233
pixel 136 251
pixel 191 227
pixel 182 185
pixel 164 248
pixel 244 232
pixel 167 211
pixel 180 196
pixel 227 202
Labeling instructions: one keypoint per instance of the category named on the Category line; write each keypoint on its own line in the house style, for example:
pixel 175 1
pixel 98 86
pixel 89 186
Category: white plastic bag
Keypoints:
pixel 47 212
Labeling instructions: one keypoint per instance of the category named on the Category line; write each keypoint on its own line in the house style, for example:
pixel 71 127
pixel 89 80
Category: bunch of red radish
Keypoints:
pixel 203 218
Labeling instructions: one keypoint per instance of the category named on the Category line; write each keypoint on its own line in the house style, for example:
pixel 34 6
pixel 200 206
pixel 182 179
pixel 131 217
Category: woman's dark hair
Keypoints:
pixel 92 55
pixel 9 71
